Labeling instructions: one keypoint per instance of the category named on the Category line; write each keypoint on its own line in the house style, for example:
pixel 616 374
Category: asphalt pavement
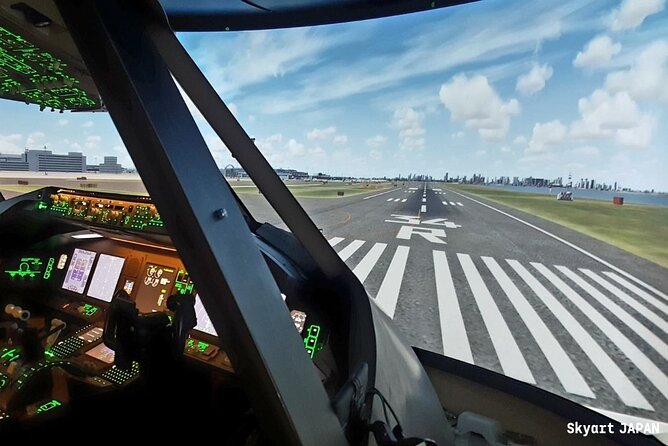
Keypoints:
pixel 507 291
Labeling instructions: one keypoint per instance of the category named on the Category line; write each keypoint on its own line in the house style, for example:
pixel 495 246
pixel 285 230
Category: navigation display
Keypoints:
pixel 204 324
pixel 105 277
pixel 79 270
pixel 154 287
pixel 103 353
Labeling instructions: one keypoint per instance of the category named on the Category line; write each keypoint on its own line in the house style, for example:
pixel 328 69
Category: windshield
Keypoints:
pixel 493 173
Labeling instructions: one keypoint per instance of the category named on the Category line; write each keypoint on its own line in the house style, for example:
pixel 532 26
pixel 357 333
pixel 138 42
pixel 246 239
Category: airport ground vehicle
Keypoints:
pixel 250 379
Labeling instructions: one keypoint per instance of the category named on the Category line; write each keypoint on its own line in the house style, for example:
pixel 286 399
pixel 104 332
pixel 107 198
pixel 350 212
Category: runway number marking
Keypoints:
pixel 432 235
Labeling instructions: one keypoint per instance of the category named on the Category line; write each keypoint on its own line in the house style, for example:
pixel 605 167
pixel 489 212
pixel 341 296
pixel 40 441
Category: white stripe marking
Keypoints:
pixel 567 243
pixel 648 297
pixel 423 209
pixel 458 203
pixel 628 300
pixel 388 294
pixel 335 240
pixel 424 200
pixel 397 200
pixel 619 382
pixel 445 203
pixel 349 250
pixel 363 269
pixel 404 200
pixel 647 335
pixel 382 193
pixel 453 332
pixel 452 203
pixel 390 199
pixel 561 363
pixel 509 354
pixel 630 350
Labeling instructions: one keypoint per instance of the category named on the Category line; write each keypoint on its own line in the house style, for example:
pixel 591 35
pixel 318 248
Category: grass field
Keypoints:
pixel 641 230
pixel 328 190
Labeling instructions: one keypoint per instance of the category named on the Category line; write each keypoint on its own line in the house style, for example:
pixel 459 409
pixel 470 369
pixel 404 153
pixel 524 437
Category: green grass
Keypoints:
pixel 329 190
pixel 641 230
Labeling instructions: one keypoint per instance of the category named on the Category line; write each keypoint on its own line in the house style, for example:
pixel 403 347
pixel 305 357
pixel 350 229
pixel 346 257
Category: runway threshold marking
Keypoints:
pixel 610 371
pixel 628 300
pixel 561 363
pixel 365 266
pixel 335 240
pixel 382 193
pixel 567 243
pixel 453 331
pixel 509 354
pixel 626 346
pixel 349 250
pixel 646 334
pixel 629 286
pixel 388 293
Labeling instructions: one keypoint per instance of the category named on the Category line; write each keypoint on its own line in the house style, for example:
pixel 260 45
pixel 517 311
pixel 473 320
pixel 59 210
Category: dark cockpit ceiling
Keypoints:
pixel 39 63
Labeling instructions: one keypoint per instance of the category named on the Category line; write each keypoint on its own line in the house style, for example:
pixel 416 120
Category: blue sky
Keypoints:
pixel 498 87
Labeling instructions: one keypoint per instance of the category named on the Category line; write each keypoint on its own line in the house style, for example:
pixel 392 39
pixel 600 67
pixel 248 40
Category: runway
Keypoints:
pixel 509 292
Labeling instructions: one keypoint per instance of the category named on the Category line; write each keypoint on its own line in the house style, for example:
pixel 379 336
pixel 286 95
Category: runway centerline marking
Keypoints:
pixel 382 193
pixel 619 382
pixel 423 208
pixel 388 294
pixel 363 269
pixel 567 243
pixel 453 331
pixel 561 363
pixel 628 348
pixel 389 199
pixel 509 354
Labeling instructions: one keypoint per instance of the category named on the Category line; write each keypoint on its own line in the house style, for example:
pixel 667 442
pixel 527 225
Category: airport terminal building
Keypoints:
pixel 41 160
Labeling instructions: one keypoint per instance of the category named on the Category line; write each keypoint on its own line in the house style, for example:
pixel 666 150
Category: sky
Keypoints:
pixel 512 88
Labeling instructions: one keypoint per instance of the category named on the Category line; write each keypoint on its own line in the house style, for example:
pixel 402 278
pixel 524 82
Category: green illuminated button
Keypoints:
pixel 49 405
pixel 4 380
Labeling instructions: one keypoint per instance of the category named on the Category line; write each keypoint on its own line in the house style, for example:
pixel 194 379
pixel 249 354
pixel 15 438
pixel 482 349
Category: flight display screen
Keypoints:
pixel 103 353
pixel 105 277
pixel 79 270
pixel 154 288
pixel 204 324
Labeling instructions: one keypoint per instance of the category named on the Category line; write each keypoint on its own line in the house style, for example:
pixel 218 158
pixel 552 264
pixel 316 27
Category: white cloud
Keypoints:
pixel 647 79
pixel 597 53
pixel 588 151
pixel 63 122
pixel 506 149
pixel 295 148
pixel 520 140
pixel 75 146
pixel 615 117
pixel 340 139
pixel 87 124
pixel 633 12
pixel 317 152
pixel 35 138
pixel 376 141
pixel 534 81
pixel 458 135
pixel 545 135
pixel 375 155
pixel 411 132
pixel 11 144
pixel 474 102
pixel 321 134
pixel 93 141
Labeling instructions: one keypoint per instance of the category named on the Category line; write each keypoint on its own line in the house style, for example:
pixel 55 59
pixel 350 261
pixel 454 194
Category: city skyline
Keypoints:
pixel 578 88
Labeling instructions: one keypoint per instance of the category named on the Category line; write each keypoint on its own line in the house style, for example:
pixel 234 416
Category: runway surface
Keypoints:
pixel 508 291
